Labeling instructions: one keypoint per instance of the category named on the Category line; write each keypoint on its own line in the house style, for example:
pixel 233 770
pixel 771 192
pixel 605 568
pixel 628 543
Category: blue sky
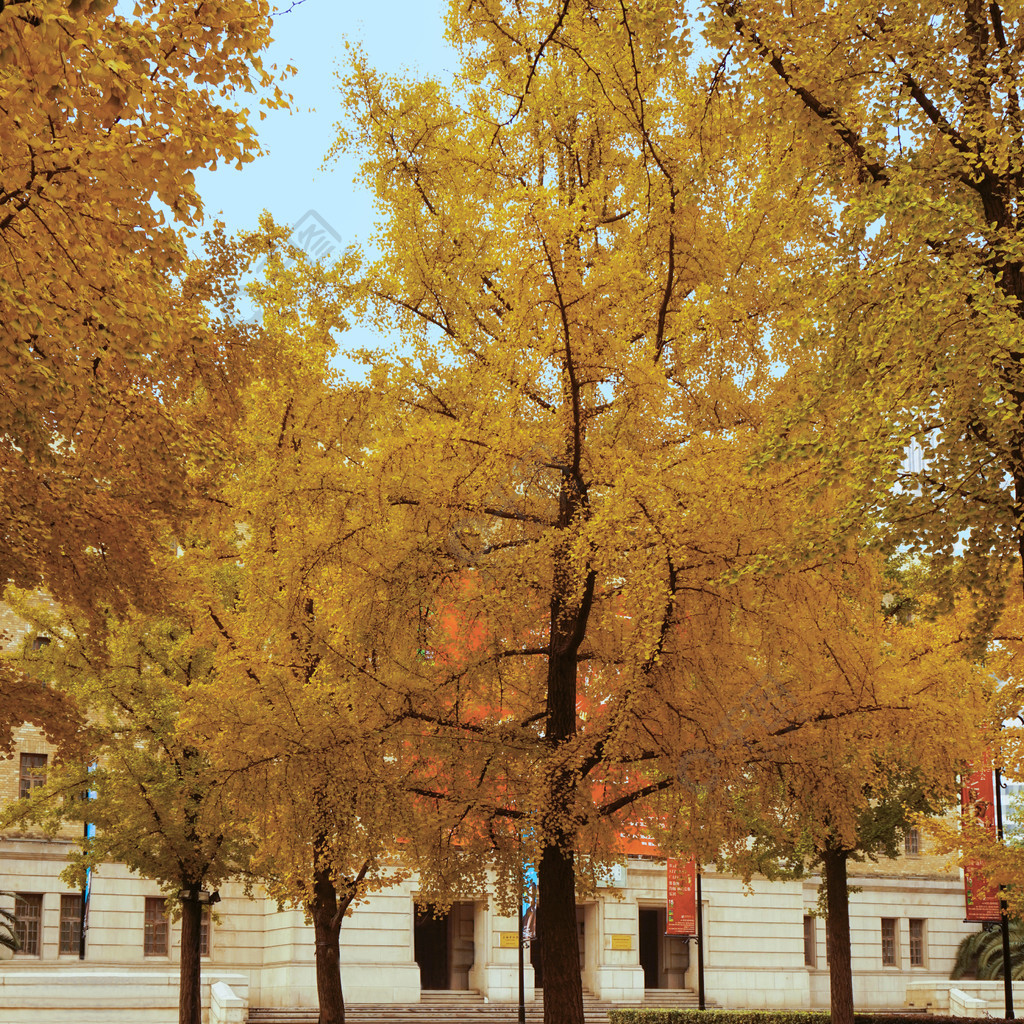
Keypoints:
pixel 289 180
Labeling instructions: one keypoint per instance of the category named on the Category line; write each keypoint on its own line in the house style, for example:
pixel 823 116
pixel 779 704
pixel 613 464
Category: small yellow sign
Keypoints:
pixel 622 942
pixel 508 940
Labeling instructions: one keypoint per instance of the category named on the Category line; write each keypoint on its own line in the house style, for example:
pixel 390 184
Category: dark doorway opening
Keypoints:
pixel 538 974
pixel 432 946
pixel 651 932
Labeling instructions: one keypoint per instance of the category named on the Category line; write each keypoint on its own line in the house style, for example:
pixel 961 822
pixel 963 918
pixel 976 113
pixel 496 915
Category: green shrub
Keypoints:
pixel 652 1016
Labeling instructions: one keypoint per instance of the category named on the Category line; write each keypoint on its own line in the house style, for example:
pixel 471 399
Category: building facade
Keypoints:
pixel 764 946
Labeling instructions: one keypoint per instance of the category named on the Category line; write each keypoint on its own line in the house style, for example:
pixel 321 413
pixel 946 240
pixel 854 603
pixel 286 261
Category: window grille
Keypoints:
pixel 33 773
pixel 28 914
pixel 888 941
pixel 70 922
pixel 156 928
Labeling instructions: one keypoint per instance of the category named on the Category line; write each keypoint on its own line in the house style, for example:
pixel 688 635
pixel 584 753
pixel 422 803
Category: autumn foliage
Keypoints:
pixel 599 543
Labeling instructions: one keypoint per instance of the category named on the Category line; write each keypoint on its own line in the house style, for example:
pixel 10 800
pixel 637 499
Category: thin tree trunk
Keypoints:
pixel 189 970
pixel 327 934
pixel 837 928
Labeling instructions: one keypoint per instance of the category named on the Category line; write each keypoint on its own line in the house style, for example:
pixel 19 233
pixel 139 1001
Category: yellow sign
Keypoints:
pixel 508 940
pixel 622 942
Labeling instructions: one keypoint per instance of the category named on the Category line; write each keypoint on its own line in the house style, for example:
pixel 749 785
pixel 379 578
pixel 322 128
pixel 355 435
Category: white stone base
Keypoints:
pixel 963 997
pixel 499 983
pixel 619 984
pixel 295 984
pixel 92 995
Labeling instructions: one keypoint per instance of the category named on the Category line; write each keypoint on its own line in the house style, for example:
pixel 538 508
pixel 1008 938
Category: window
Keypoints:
pixel 70 922
pixel 888 941
pixel 916 942
pixel 33 773
pixel 810 942
pixel 204 933
pixel 28 912
pixel 912 842
pixel 40 642
pixel 154 941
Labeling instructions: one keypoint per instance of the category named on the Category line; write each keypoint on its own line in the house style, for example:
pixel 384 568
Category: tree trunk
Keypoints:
pixel 559 941
pixel 556 907
pixel 327 933
pixel 837 928
pixel 189 969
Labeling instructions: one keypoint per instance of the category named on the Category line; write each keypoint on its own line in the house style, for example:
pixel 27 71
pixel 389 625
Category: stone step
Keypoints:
pixel 670 997
pixel 434 1008
pixel 398 1014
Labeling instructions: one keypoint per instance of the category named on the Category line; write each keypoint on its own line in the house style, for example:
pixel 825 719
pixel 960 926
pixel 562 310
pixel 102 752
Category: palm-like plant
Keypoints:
pixel 8 938
pixel 981 955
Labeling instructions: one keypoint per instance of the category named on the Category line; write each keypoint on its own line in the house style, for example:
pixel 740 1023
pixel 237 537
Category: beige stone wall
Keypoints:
pixel 117 910
pixel 754 936
pixel 28 739
pixel 927 863
pixel 14 631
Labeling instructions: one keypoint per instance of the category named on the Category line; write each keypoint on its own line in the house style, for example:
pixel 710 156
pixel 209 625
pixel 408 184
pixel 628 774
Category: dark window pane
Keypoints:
pixel 888 941
pixel 916 942
pixel 33 773
pixel 156 927
pixel 28 913
pixel 70 922
pixel 912 842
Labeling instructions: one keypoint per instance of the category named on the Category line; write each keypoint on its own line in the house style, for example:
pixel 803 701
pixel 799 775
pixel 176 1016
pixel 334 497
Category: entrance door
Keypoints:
pixel 650 946
pixel 664 958
pixel 432 947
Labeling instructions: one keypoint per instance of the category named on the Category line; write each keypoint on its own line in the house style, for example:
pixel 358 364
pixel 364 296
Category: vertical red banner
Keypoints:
pixel 682 897
pixel 978 800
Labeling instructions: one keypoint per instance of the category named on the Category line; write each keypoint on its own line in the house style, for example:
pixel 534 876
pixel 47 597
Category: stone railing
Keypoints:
pixel 225 1006
pixel 962 998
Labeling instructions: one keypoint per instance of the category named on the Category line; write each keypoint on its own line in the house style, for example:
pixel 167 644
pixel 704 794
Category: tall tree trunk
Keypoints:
pixel 559 941
pixel 556 907
pixel 327 934
pixel 837 928
pixel 190 1009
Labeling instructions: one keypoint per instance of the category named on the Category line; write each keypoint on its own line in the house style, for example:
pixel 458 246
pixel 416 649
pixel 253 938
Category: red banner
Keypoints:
pixel 978 800
pixel 682 897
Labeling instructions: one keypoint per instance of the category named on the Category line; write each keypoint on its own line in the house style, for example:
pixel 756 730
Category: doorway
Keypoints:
pixel 650 946
pixel 431 946
pixel 664 958
pixel 443 945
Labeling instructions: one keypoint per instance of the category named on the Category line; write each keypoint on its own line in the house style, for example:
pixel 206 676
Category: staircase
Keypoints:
pixel 433 1008
pixel 672 998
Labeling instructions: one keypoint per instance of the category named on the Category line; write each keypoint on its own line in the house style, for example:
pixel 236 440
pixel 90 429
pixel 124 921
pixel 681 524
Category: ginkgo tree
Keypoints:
pixel 135 771
pixel 916 316
pixel 108 112
pixel 915 322
pixel 113 366
pixel 856 783
pixel 295 717
pixel 586 580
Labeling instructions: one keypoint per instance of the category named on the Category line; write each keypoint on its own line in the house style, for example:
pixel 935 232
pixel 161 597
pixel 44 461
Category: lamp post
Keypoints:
pixel 700 946
pixel 1004 923
pixel 522 961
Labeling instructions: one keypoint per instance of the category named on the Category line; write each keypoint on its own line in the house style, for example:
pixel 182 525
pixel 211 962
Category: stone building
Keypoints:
pixel 763 945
